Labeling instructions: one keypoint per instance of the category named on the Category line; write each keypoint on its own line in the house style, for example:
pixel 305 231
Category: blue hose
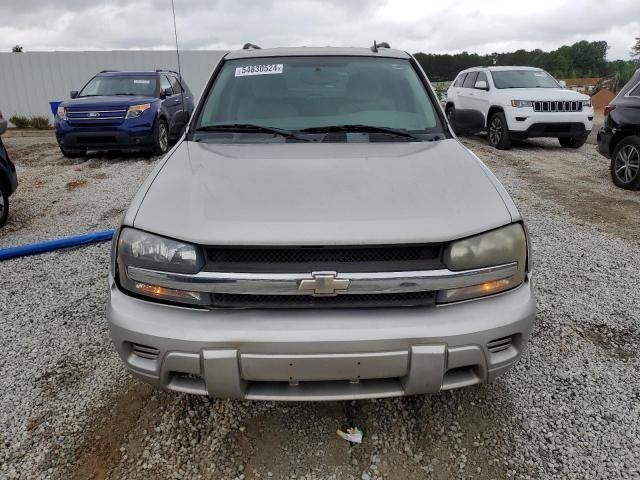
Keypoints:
pixel 50 245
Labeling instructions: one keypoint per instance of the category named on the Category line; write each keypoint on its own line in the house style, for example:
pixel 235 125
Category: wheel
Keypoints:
pixel 573 142
pixel 625 164
pixel 4 205
pixel 499 132
pixel 70 153
pixel 160 138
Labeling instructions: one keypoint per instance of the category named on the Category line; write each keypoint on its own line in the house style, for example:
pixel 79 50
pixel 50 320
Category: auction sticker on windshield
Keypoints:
pixel 269 69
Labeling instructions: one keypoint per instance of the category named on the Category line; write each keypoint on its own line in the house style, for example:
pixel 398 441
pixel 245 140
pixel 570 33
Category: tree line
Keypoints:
pixel 582 59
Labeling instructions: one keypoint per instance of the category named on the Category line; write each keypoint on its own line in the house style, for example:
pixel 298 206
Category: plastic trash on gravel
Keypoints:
pixel 353 434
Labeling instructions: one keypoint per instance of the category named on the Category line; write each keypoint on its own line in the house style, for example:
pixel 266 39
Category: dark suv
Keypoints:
pixel 619 138
pixel 125 111
pixel 8 178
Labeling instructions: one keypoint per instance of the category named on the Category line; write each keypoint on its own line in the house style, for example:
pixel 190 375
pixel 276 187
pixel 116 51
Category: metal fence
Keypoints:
pixel 30 80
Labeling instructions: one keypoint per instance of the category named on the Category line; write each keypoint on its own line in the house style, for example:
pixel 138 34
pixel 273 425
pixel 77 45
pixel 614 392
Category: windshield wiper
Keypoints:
pixel 127 94
pixel 248 127
pixel 364 129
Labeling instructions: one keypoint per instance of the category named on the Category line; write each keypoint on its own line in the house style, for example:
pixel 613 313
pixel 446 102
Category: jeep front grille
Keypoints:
pixel 557 106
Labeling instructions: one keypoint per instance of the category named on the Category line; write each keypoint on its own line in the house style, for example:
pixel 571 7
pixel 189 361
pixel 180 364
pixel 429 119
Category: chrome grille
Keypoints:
pixel 557 106
pixel 102 116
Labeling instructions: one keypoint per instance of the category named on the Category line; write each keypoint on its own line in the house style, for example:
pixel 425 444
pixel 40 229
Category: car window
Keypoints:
pixel 635 92
pixel 298 93
pixel 145 85
pixel 164 83
pixel 470 81
pixel 460 80
pixel 523 79
pixel 175 84
pixel 481 77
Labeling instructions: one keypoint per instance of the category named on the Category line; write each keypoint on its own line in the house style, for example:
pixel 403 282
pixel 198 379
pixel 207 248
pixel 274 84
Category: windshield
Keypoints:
pixel 145 85
pixel 523 79
pixel 299 93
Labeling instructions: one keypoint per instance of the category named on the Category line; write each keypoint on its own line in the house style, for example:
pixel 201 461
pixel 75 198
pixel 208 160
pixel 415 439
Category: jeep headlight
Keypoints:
pixel 138 252
pixel 62 113
pixel 135 111
pixel 506 245
pixel 586 103
pixel 521 103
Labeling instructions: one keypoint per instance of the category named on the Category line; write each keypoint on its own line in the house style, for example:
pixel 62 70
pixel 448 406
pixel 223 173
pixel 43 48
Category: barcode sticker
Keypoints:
pixel 270 69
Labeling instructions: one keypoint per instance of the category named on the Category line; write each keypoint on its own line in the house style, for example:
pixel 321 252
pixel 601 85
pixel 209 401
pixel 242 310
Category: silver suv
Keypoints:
pixel 320 234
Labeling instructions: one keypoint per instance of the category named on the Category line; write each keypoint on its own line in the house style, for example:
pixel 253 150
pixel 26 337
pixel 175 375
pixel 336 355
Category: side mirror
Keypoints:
pixel 466 122
pixel 73 93
pixel 482 85
pixel 167 92
pixel 3 124
pixel 563 84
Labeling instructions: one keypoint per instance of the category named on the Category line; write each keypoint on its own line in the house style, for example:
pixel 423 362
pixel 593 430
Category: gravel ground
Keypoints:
pixel 570 409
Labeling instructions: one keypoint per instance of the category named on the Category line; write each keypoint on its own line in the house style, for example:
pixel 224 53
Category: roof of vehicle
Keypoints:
pixel 499 68
pixel 316 51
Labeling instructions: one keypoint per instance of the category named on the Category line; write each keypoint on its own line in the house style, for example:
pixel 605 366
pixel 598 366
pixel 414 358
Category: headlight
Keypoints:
pixel 62 113
pixel 586 103
pixel 521 103
pixel 145 250
pixel 135 111
pixel 498 247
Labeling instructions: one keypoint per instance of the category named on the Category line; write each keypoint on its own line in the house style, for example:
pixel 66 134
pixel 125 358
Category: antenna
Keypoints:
pixel 175 32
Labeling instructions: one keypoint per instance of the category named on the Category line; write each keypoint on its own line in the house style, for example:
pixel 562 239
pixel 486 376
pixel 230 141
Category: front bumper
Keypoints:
pixel 525 123
pixel 113 137
pixel 321 354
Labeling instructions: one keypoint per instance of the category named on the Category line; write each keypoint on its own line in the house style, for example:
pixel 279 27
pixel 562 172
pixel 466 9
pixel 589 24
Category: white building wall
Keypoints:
pixel 30 80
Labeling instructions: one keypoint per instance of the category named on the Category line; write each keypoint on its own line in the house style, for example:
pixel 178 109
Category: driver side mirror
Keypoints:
pixel 482 85
pixel 563 84
pixel 73 93
pixel 167 92
pixel 466 122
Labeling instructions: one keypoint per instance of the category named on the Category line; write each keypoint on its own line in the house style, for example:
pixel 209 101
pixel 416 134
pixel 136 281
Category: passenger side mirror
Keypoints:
pixel 482 85
pixel 167 92
pixel 466 122
pixel 73 93
pixel 563 84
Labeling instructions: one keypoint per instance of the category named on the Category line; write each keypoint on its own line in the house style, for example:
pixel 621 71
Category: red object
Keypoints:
pixel 609 108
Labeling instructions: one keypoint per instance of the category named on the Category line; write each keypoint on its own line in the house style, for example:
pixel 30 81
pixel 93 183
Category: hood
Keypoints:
pixel 543 94
pixel 107 101
pixel 321 194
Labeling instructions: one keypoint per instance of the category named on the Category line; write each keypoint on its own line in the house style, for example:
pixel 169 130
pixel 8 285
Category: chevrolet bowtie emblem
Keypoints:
pixel 324 283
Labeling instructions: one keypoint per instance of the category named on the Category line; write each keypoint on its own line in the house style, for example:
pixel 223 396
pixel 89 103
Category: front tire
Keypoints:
pixel 573 142
pixel 498 132
pixel 4 205
pixel 160 138
pixel 625 164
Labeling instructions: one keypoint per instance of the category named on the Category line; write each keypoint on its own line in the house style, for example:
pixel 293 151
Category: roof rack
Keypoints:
pixel 108 71
pixel 375 46
pixel 250 46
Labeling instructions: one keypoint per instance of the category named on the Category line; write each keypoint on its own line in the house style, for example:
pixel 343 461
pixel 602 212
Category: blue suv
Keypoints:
pixel 124 111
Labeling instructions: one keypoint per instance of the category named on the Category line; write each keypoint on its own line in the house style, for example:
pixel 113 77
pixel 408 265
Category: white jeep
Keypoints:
pixel 522 102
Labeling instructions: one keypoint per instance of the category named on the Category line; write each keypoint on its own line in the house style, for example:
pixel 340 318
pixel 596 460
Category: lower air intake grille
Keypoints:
pixel 412 299
pixel 144 351
pixel 498 345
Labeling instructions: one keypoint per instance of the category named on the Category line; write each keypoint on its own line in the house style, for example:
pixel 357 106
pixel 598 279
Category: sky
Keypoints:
pixel 412 25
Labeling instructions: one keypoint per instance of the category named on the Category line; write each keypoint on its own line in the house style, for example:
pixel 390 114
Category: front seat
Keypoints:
pixel 266 99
